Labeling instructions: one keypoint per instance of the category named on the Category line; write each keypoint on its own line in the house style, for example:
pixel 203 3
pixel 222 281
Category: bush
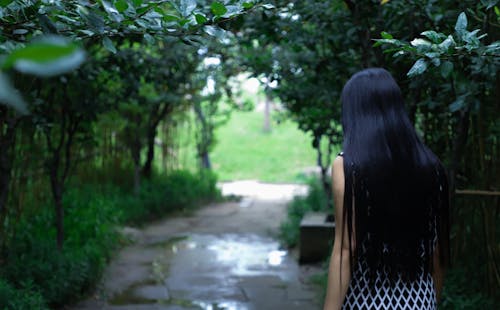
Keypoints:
pixel 36 274
pixel 179 191
pixel 62 276
pixel 20 299
pixel 458 292
pixel 315 200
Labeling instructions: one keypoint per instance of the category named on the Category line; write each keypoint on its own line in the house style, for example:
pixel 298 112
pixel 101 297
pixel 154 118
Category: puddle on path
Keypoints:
pixel 222 306
pixel 256 189
pixel 214 272
pixel 235 255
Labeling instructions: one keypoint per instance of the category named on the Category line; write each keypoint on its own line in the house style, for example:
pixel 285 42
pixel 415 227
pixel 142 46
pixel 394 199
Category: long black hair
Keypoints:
pixel 396 200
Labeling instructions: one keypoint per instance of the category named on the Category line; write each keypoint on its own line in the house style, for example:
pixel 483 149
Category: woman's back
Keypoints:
pixel 381 287
pixel 394 215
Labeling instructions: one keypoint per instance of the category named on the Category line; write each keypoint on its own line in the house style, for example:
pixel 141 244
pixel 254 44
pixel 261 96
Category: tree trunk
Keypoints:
pixel 5 171
pixel 155 117
pixel 323 163
pixel 459 147
pixel 7 141
pixel 267 114
pixel 204 140
pixel 57 190
pixel 137 178
pixel 324 171
pixel 136 157
pixel 205 161
pixel 147 168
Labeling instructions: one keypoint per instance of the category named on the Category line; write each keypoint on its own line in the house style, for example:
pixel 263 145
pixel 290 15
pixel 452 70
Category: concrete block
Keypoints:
pixel 317 230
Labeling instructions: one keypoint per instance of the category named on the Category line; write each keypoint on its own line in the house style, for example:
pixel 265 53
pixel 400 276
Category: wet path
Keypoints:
pixel 225 256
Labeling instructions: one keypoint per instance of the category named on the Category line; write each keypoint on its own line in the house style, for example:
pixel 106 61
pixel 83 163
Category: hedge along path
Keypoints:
pixel 224 256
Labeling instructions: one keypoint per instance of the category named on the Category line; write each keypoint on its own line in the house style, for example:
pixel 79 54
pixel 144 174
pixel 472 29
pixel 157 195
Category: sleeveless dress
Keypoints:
pixel 384 295
pixel 400 295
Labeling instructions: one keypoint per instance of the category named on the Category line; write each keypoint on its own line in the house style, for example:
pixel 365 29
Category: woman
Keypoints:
pixel 391 205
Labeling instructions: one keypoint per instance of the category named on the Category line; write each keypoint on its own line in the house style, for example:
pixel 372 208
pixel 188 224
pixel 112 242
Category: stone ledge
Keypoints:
pixel 316 236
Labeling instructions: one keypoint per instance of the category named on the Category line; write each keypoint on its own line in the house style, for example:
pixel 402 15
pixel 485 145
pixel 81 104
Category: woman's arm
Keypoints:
pixel 339 272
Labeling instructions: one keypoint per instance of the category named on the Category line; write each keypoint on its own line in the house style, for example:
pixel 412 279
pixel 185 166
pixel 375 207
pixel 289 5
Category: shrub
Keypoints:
pixel 315 200
pixel 459 293
pixel 20 299
pixel 178 191
pixel 36 274
pixel 62 276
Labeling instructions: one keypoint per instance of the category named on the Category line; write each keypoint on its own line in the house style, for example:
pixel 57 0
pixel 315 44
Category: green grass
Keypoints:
pixel 244 151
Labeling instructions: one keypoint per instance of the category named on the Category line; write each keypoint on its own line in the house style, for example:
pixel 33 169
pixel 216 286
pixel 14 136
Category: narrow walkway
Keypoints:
pixel 225 256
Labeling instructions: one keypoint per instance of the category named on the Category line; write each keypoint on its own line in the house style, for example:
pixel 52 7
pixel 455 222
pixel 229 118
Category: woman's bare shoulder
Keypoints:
pixel 338 174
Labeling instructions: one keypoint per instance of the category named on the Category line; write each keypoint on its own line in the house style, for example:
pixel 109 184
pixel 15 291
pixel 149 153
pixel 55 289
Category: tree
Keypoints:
pixel 38 38
pixel 151 86
pixel 463 66
pixel 64 120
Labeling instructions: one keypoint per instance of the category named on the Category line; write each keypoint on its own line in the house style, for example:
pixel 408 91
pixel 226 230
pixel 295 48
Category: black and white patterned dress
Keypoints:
pixel 400 295
pixel 419 294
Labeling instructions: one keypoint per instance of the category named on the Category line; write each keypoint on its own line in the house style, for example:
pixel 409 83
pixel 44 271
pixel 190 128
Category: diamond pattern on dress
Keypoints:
pixel 383 295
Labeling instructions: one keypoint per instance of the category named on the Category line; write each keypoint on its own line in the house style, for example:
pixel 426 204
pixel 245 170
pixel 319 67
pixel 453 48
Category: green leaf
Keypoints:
pixel 68 19
pixel 248 5
pixel 446 69
pixel 200 19
pixel 446 44
pixel 10 96
pixel 215 32
pixel 434 36
pixel 171 18
pixel 497 11
pixel 20 31
pixel 420 42
pixel 457 104
pixel 461 25
pixel 493 48
pixel 386 35
pixel 187 7
pixel 418 68
pixel 232 10
pixel 436 61
pixel 47 25
pixel 46 57
pixel 218 8
pixel 490 3
pixel 108 44
pixel 149 38
pixel 432 55
pixel 95 21
pixel 379 42
pixel 137 2
pixel 121 5
pixel 4 3
pixel 398 53
pixel 113 13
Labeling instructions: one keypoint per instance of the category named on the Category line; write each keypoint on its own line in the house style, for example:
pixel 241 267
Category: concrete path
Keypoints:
pixel 225 256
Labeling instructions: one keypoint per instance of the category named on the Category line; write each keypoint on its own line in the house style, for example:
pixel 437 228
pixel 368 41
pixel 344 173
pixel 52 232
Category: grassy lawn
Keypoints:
pixel 244 151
